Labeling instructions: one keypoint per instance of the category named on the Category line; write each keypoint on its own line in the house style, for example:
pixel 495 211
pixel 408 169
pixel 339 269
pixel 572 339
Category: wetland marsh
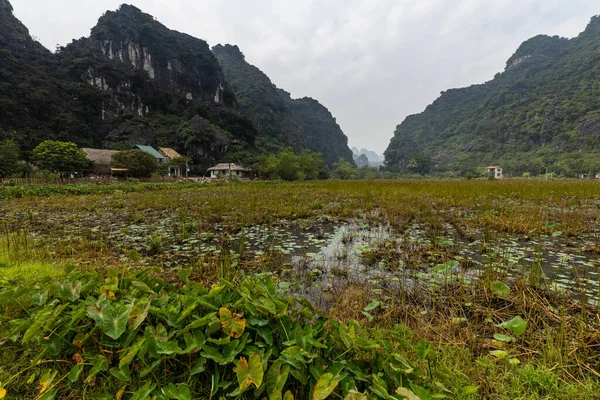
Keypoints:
pixel 427 263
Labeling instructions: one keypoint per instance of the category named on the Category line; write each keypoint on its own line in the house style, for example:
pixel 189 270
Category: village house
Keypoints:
pixel 170 154
pixel 229 169
pixel 160 159
pixel 495 172
pixel 101 158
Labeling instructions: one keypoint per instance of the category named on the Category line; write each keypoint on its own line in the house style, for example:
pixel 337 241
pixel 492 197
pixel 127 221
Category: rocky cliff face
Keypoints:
pixel 132 81
pixel 142 68
pixel 299 123
pixel 136 81
pixel 173 60
pixel 29 90
pixel 541 114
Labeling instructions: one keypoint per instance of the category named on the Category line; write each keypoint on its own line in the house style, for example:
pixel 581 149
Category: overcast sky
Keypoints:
pixel 371 62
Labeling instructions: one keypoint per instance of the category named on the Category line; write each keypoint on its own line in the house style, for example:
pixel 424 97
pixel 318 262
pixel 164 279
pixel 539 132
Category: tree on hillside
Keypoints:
pixel 60 157
pixel 9 158
pixel 420 163
pixel 139 163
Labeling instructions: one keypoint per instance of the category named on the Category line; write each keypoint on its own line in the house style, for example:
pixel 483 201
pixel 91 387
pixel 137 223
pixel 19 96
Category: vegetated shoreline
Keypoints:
pixel 446 339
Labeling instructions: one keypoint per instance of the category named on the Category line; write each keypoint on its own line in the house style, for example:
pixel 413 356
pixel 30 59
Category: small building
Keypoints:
pixel 229 169
pixel 495 171
pixel 170 154
pixel 160 159
pixel 101 159
pixel 584 176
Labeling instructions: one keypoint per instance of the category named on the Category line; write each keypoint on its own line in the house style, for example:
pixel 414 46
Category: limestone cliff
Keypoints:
pixel 300 123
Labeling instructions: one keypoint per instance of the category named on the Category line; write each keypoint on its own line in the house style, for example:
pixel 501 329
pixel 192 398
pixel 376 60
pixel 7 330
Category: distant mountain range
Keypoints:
pixel 364 157
pixel 134 81
pixel 541 114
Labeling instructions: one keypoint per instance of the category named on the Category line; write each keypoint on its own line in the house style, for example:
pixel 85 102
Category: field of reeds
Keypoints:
pixel 365 289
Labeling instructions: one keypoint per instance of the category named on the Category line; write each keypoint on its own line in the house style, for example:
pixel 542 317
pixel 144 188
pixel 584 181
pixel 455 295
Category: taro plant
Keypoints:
pixel 143 337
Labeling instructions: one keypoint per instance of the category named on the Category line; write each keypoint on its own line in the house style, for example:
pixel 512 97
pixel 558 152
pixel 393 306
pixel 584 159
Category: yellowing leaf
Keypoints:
pixel 325 385
pixel 120 393
pixel 249 373
pixel 288 396
pixel 46 380
pixel 354 395
pixel 408 394
pixel 232 324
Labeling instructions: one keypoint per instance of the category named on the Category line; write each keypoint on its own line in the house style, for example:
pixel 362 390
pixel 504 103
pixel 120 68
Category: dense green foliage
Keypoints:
pixel 56 156
pixel 9 158
pixel 281 120
pixel 344 170
pixel 142 336
pixel 138 162
pixel 542 114
pixel 291 167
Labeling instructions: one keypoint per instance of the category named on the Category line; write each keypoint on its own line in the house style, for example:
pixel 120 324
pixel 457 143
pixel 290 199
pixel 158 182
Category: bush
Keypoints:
pixel 344 170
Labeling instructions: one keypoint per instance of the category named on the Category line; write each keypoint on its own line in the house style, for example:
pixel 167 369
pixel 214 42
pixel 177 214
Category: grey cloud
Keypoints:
pixel 371 62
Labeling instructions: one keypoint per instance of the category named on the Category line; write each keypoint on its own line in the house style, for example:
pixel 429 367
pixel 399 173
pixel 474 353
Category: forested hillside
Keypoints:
pixel 133 81
pixel 542 113
pixel 302 123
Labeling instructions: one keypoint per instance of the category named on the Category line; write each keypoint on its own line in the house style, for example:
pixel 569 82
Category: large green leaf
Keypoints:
pixel 97 310
pixel 138 314
pixel 121 374
pixel 249 372
pixel 99 364
pixel 193 343
pixel 115 321
pixel 276 378
pixel 446 268
pixel 517 325
pixel 158 342
pixel 325 385
pixel 500 289
pixel 131 352
pixel 179 392
pixel 37 324
pixel 144 392
pixel 422 349
pixel 295 356
pixel 75 372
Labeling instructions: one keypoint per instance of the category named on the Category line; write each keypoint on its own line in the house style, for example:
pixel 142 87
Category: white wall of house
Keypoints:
pixel 225 172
